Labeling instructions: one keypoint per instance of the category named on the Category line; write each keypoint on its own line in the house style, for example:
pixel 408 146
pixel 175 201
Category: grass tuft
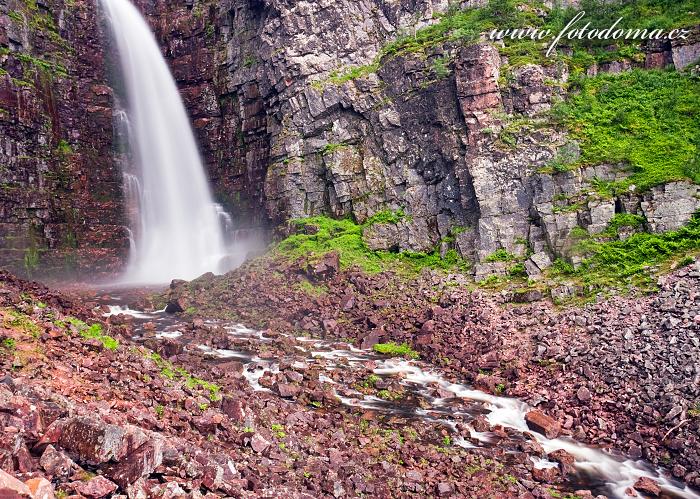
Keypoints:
pixel 393 349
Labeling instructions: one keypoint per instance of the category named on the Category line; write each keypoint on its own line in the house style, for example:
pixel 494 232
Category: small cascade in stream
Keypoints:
pixel 177 228
pixel 455 405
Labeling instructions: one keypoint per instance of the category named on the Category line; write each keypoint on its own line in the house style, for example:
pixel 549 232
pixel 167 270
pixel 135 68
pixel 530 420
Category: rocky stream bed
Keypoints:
pixel 268 387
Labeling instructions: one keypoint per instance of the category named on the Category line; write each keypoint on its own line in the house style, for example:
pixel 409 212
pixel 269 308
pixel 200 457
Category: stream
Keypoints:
pixel 428 395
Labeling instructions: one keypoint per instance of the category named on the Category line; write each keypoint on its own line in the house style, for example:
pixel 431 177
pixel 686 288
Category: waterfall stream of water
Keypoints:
pixel 178 232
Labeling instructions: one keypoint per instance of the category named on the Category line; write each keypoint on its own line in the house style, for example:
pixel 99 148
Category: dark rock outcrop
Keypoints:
pixel 60 191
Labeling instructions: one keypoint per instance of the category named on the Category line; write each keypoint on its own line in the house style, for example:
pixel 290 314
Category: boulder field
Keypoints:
pixel 96 404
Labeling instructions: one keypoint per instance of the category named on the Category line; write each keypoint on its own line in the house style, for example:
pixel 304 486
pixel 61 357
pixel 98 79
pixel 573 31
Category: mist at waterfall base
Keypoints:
pixel 177 231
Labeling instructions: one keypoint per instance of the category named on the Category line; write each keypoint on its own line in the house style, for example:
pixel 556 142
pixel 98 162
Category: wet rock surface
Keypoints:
pixel 620 373
pixel 80 418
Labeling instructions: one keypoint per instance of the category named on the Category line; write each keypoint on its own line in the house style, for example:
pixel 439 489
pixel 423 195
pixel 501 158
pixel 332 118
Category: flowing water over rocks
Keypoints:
pixel 280 364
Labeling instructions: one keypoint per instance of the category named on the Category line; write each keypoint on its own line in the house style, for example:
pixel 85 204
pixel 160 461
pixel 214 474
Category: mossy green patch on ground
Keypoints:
pixel 646 120
pixel 14 319
pixel 93 332
pixel 312 289
pixel 393 349
pixel 344 236
pixel 170 371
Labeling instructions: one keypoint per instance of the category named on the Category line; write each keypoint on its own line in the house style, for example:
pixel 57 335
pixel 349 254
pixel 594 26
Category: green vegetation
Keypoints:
pixel 344 236
pixel 31 259
pixel 389 395
pixel 621 220
pixel 339 77
pixel 609 264
pixel 446 441
pixel 160 410
pixel 169 371
pixel 370 381
pixel 395 350
pixel 440 67
pixel 500 255
pixel 21 322
pixel 312 289
pixel 332 147
pixel 695 411
pixel 93 332
pixel 278 430
pixel 385 217
pixel 7 345
pixel 645 120
pixel 64 148
pixel 463 26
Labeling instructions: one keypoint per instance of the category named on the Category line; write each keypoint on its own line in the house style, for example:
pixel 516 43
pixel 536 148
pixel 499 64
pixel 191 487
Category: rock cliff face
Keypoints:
pixel 60 196
pixel 448 137
pixel 280 124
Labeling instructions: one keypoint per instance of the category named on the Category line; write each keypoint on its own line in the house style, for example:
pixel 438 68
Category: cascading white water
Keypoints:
pixel 178 232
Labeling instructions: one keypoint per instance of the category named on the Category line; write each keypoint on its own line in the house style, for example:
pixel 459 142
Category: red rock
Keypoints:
pixel 11 488
pixel 541 423
pixel 25 462
pixel 287 390
pixel 56 463
pixel 96 487
pixel 40 488
pixel 53 433
pixel 234 408
pixel 259 444
pixel 647 486
pixel 92 440
pixel 444 488
pixel 208 422
pixel 138 464
pixel 562 457
pixel 546 475
pixel 583 394
pixel 348 302
pixel 327 267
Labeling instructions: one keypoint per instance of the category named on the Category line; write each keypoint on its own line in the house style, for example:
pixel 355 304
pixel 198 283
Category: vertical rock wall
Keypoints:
pixel 60 193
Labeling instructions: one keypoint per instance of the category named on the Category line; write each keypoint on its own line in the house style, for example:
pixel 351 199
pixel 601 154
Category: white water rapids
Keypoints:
pixel 607 474
pixel 178 230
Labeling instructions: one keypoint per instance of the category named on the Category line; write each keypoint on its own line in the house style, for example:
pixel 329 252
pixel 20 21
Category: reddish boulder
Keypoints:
pixel 647 486
pixel 259 444
pixel 562 457
pixel 327 267
pixel 541 423
pixel 56 464
pixel 138 464
pixel 96 487
pixel 287 390
pixel 546 475
pixel 92 440
pixel 40 488
pixel 234 408
pixel 11 488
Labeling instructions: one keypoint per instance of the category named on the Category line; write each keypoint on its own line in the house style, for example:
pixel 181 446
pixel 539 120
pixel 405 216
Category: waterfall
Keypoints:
pixel 178 232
